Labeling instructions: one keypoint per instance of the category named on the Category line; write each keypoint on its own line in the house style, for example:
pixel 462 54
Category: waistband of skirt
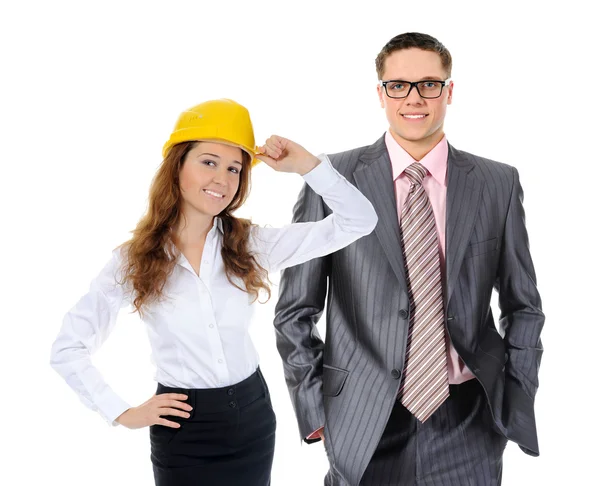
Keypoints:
pixel 227 398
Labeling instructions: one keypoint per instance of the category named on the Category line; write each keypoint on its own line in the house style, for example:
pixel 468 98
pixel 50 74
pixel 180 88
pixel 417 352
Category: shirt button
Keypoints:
pixel 232 404
pixel 211 325
pixel 403 313
pixel 220 360
pixel 395 374
pixel 205 262
pixel 230 392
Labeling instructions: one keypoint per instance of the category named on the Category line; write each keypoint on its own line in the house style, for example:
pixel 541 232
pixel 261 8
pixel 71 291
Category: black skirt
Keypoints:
pixel 229 438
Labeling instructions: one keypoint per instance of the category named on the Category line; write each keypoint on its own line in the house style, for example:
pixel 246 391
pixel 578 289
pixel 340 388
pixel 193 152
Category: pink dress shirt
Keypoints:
pixel 435 185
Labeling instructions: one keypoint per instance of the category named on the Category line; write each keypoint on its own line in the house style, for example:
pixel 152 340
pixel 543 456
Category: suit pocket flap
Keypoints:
pixel 481 247
pixel 333 380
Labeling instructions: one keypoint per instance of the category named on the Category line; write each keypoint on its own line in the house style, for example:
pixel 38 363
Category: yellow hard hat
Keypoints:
pixel 223 121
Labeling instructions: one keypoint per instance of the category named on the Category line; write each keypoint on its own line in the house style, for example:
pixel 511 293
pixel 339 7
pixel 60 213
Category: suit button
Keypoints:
pixel 403 313
pixel 230 392
pixel 232 404
pixel 395 374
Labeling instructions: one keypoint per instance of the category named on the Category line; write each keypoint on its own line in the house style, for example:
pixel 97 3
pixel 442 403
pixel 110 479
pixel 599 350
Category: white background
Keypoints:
pixel 89 93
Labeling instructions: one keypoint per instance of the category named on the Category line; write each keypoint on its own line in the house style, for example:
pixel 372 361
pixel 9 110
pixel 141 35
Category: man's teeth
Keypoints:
pixel 216 194
pixel 414 116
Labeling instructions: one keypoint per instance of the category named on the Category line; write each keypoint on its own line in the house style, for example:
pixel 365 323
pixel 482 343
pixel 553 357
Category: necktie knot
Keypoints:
pixel 415 173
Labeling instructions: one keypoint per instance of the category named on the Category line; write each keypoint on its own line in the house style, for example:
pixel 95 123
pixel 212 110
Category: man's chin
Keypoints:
pixel 411 136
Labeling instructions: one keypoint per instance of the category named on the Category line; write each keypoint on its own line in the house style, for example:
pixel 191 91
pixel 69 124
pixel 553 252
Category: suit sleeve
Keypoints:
pixel 303 289
pixel 521 317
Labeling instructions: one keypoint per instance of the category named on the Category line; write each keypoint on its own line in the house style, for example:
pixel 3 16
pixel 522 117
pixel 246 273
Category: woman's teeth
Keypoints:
pixel 214 194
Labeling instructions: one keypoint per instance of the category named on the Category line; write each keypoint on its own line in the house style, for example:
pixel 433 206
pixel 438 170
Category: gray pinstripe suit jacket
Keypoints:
pixel 346 382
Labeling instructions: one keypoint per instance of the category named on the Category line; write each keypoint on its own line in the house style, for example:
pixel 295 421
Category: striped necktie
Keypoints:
pixel 425 381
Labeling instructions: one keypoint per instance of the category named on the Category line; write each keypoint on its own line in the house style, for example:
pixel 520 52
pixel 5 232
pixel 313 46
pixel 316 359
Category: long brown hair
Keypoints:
pixel 151 253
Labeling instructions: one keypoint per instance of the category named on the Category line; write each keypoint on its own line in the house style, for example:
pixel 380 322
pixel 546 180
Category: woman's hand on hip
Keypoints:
pixel 283 155
pixel 152 411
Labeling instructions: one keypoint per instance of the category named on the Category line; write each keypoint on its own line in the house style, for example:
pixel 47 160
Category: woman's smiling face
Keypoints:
pixel 210 177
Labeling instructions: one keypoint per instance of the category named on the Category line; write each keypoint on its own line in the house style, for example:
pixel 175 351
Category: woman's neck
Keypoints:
pixel 192 229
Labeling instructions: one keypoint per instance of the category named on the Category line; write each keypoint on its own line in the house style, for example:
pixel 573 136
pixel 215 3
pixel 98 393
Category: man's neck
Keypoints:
pixel 418 149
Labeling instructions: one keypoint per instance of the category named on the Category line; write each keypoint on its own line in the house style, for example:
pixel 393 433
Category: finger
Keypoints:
pixel 172 396
pixel 167 423
pixel 173 411
pixel 268 160
pixel 282 143
pixel 278 141
pixel 175 404
pixel 272 151
pixel 273 143
pixel 262 149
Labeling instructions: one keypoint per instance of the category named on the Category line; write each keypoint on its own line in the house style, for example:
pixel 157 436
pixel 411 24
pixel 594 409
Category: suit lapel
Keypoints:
pixel 374 178
pixel 462 205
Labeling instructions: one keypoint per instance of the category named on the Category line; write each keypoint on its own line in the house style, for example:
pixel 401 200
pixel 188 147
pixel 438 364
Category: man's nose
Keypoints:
pixel 413 96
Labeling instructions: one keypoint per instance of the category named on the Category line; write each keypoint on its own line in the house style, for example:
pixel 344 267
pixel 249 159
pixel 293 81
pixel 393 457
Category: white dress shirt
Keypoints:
pixel 199 331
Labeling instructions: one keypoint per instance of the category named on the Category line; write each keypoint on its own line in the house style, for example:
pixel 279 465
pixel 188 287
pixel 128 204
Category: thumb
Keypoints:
pixel 267 160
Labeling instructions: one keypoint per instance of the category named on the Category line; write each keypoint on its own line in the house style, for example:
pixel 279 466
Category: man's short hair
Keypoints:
pixel 410 40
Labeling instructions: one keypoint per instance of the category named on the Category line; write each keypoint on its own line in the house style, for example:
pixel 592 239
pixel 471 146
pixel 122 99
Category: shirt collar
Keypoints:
pixel 436 161
pixel 218 223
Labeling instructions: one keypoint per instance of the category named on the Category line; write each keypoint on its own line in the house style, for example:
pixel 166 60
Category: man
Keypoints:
pixel 414 384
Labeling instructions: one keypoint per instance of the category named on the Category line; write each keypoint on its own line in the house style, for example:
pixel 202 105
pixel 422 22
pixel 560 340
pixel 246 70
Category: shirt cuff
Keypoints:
pixel 110 406
pixel 315 434
pixel 323 176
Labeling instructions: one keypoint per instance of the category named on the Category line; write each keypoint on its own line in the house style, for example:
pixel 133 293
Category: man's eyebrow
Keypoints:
pixel 425 78
pixel 431 78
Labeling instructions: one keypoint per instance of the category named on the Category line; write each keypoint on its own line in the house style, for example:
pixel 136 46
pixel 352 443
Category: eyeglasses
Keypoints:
pixel 428 89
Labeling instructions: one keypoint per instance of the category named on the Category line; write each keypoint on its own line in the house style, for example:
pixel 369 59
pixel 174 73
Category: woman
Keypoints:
pixel 192 271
